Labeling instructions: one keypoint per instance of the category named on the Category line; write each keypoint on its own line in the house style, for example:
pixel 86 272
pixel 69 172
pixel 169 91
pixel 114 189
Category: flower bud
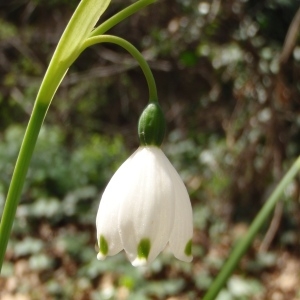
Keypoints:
pixel 152 127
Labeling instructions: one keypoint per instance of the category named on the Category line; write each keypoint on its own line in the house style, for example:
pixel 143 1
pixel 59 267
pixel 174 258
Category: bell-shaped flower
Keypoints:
pixel 144 208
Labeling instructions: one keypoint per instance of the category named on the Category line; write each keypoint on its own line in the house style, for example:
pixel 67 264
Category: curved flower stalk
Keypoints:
pixel 145 206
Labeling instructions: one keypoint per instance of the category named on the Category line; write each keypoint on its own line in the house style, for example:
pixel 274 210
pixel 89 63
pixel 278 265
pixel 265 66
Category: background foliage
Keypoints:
pixel 229 86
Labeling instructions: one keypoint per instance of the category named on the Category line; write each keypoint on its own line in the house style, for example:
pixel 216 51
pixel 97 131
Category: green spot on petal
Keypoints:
pixel 103 245
pixel 188 248
pixel 143 248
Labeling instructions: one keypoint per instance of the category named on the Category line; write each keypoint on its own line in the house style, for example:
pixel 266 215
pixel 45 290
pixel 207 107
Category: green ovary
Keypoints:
pixel 188 248
pixel 103 245
pixel 152 125
pixel 143 249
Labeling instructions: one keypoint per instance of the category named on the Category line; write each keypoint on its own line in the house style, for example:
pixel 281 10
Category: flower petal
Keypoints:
pixel 146 214
pixel 181 236
pixel 107 217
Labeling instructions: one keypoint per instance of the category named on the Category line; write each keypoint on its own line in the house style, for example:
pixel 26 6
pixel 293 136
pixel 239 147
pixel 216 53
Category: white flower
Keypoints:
pixel 144 207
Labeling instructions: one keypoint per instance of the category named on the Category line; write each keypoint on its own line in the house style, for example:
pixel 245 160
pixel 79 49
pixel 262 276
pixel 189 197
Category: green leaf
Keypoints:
pixel 68 49
pixel 81 24
pixel 120 16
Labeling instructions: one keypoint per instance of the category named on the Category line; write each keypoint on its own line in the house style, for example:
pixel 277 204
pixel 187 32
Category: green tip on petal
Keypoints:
pixel 143 249
pixel 103 245
pixel 188 248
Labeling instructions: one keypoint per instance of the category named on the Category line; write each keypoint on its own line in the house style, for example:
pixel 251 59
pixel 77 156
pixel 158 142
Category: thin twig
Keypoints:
pixel 272 230
pixel 290 39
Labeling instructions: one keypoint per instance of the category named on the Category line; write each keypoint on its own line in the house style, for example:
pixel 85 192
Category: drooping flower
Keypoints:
pixel 144 208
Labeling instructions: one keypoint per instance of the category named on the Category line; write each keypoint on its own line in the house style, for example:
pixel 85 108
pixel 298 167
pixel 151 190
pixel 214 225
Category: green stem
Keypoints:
pixel 120 16
pixel 134 52
pixel 14 193
pixel 246 241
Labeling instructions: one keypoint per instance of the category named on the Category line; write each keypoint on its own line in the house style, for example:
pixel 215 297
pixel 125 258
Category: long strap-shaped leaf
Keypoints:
pixel 80 26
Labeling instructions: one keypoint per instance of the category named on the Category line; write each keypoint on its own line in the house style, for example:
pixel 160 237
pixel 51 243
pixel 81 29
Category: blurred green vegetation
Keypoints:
pixel 231 98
